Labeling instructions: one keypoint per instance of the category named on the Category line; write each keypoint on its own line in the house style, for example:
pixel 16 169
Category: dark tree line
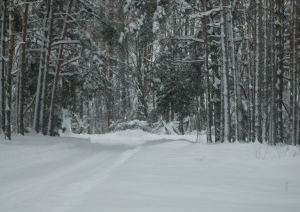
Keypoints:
pixel 229 68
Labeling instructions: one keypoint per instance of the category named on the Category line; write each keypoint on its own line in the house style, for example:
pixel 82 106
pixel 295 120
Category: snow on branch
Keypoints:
pixel 29 2
pixel 66 42
pixel 63 74
pixel 4 58
pixel 189 38
pixel 70 61
pixel 201 14
pixel 88 4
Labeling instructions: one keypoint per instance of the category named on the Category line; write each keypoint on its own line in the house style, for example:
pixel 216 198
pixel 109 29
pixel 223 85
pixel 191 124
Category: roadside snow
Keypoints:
pixel 136 171
pixel 132 138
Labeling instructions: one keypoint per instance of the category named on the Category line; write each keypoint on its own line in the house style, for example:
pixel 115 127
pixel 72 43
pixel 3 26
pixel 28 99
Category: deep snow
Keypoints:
pixel 136 171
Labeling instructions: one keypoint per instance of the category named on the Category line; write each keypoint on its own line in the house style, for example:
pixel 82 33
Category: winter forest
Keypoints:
pixel 228 68
pixel 149 105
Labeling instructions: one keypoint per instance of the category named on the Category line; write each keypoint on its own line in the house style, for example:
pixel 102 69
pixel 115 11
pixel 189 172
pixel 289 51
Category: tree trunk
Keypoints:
pixel 247 64
pixel 22 71
pixel 273 112
pixel 258 73
pixel 265 97
pixel 3 56
pixel 279 18
pixel 9 70
pixel 88 105
pixel 37 106
pixel 235 74
pixel 58 68
pixel 44 102
pixel 38 99
pixel 294 75
pixel 208 95
pixel 216 93
pixel 226 109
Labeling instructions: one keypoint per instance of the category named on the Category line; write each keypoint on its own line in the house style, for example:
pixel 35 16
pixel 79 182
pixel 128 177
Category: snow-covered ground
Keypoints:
pixel 133 171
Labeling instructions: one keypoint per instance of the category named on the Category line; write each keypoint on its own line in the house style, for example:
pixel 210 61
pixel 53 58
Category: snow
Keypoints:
pixel 158 14
pixel 136 171
pixel 127 5
pixel 121 38
pixel 132 138
pixel 189 38
pixel 184 5
pixel 66 42
pixel 66 124
pixel 204 14
pixel 155 27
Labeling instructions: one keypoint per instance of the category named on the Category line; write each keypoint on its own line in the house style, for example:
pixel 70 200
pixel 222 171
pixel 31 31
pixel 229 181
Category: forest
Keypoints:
pixel 228 68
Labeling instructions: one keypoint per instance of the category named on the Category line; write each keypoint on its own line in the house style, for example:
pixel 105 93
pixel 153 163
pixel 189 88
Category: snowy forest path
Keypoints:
pixel 141 172
pixel 75 192
pixel 64 171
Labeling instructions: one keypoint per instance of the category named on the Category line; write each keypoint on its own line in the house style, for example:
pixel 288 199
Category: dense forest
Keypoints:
pixel 230 68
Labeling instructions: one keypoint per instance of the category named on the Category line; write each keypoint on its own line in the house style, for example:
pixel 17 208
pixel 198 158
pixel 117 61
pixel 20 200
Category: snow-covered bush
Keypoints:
pixel 132 125
pixel 159 127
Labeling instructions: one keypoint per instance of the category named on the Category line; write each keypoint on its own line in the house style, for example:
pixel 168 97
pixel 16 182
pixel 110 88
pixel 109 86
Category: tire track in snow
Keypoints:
pixel 73 194
pixel 24 191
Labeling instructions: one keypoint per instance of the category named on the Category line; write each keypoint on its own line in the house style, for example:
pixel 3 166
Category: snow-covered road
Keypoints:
pixel 129 172
pixel 58 172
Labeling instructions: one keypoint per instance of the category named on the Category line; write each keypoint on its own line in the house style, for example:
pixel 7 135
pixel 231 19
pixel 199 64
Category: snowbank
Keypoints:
pixel 133 137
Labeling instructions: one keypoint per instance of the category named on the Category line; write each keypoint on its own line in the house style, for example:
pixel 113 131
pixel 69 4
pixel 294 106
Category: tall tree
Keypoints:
pixel 44 101
pixel 23 69
pixel 37 107
pixel 234 70
pixel 11 51
pixel 225 90
pixel 58 66
pixel 279 23
pixel 206 67
pixel 294 92
pixel 3 62
pixel 259 69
